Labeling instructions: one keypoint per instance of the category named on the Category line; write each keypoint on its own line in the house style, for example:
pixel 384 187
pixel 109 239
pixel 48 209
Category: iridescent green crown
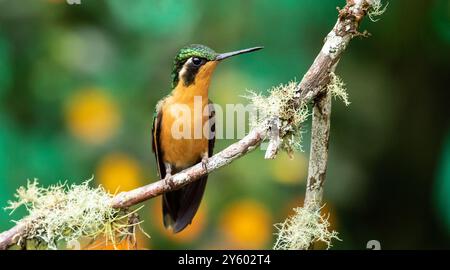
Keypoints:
pixel 194 50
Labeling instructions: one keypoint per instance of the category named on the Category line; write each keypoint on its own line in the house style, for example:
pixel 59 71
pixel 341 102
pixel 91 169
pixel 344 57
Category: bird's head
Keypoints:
pixel 197 62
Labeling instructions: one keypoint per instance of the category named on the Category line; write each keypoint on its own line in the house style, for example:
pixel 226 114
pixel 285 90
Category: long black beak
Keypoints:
pixel 229 54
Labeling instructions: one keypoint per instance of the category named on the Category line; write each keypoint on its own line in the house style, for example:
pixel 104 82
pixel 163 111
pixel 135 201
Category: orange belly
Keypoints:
pixel 182 140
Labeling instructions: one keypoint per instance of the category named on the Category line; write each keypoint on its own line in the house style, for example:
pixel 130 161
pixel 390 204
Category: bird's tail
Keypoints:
pixel 180 206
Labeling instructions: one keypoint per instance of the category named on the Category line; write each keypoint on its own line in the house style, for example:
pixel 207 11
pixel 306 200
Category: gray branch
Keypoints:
pixel 320 136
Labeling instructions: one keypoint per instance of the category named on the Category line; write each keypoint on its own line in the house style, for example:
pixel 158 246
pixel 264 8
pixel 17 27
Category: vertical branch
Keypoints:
pixel 307 225
pixel 320 136
pixel 318 159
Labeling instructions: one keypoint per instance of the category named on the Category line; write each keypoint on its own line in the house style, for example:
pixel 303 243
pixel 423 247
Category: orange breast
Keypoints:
pixel 182 140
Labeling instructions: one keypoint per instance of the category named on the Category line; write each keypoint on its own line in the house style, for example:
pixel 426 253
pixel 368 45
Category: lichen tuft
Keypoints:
pixel 337 89
pixel 280 104
pixel 376 10
pixel 302 229
pixel 65 214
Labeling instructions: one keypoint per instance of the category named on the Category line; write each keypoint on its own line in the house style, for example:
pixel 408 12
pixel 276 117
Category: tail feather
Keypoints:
pixel 180 206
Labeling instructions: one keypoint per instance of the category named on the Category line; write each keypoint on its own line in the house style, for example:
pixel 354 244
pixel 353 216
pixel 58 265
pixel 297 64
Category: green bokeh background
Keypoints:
pixel 389 167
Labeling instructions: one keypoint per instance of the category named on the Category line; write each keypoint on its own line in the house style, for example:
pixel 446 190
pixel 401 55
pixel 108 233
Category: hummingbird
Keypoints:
pixel 193 67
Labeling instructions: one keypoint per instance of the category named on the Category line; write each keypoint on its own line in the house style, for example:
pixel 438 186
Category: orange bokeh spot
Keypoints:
pixel 190 233
pixel 119 172
pixel 290 171
pixel 92 116
pixel 247 225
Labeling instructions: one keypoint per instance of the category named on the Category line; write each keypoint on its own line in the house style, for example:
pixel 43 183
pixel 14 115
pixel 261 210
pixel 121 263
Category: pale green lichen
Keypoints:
pixel 279 104
pixel 302 229
pixel 65 214
pixel 337 88
pixel 376 10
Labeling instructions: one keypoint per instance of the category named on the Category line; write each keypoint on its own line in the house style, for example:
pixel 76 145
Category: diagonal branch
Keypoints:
pixel 312 85
pixel 224 157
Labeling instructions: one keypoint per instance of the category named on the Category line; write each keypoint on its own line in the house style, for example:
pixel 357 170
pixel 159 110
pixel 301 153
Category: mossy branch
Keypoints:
pixel 313 87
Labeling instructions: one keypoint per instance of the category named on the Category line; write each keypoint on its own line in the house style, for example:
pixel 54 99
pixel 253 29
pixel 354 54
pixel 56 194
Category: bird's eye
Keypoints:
pixel 196 61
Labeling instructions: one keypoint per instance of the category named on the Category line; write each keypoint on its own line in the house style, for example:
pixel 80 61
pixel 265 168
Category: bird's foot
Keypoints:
pixel 205 163
pixel 169 181
pixel 168 177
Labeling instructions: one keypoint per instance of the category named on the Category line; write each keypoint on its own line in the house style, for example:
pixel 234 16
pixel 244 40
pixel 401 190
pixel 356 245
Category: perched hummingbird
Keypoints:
pixel 191 76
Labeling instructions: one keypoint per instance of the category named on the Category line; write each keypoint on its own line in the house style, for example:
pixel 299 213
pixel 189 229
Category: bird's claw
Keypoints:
pixel 168 181
pixel 205 164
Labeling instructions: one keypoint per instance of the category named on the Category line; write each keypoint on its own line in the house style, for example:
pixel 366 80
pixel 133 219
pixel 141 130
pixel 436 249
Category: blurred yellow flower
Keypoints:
pixel 119 172
pixel 289 171
pixel 190 233
pixel 247 225
pixel 92 116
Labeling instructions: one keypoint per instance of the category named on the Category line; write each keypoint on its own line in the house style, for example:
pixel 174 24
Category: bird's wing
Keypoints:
pixel 180 206
pixel 212 129
pixel 156 130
